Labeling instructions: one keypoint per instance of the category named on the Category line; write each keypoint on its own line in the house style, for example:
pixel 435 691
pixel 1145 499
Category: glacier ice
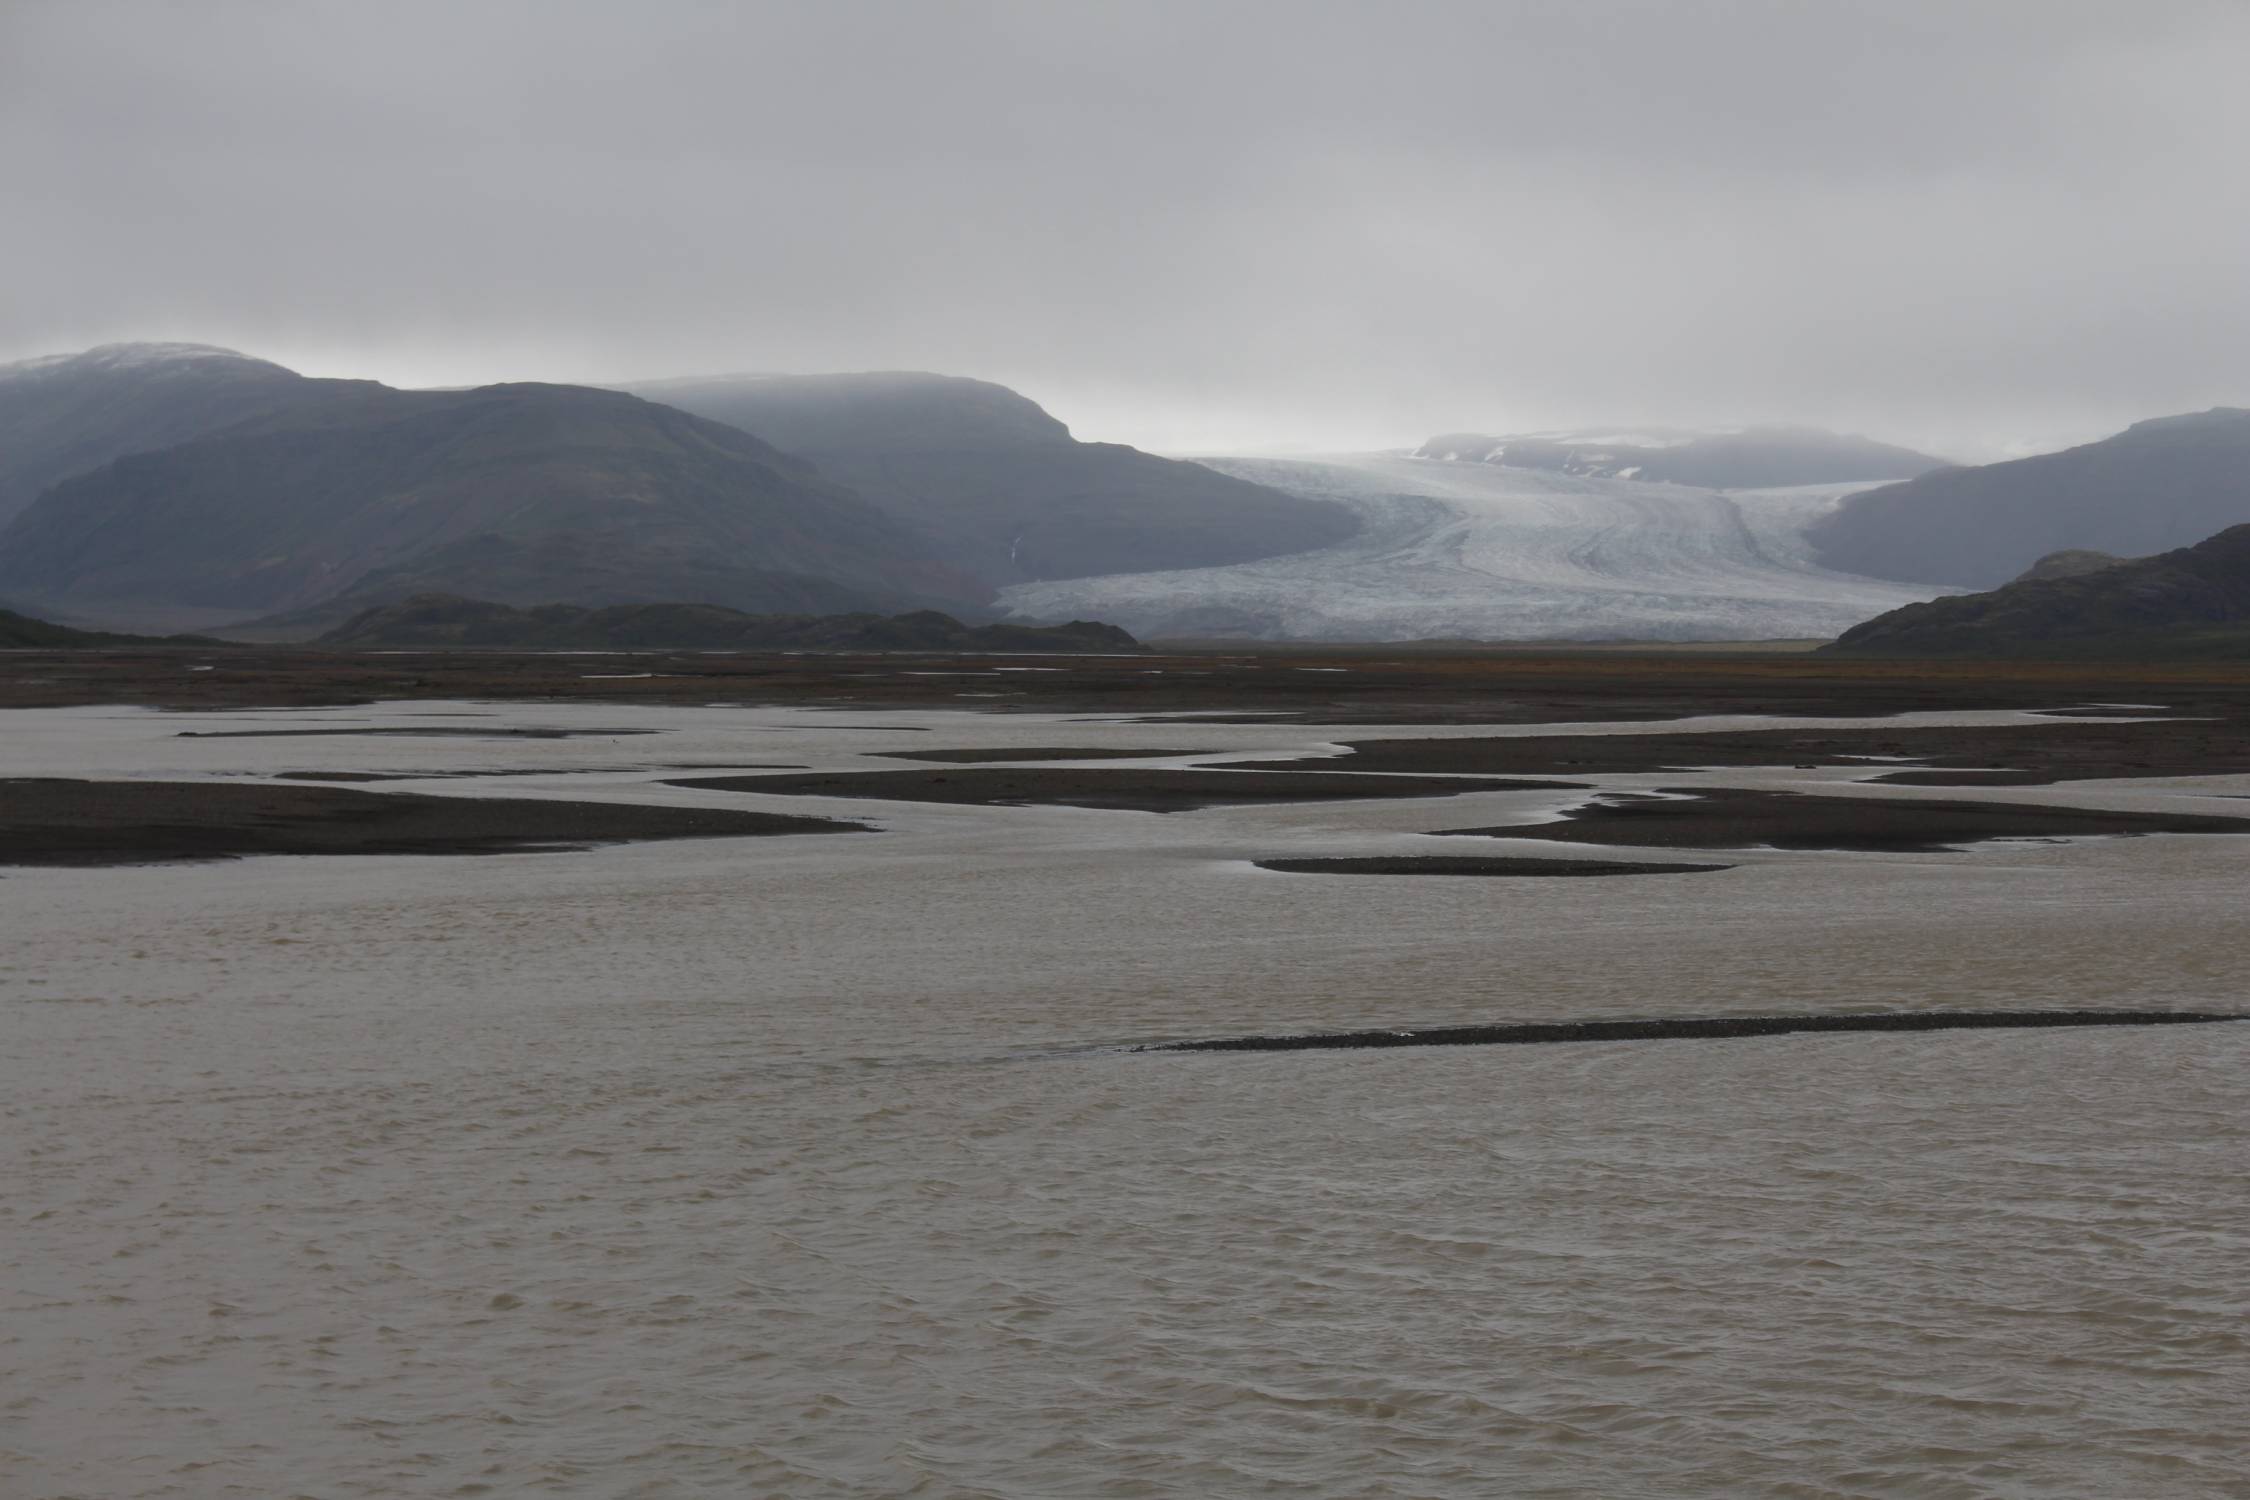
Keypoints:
pixel 1476 551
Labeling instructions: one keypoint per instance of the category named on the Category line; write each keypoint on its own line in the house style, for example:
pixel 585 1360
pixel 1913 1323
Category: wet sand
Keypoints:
pixel 60 822
pixel 1438 864
pixel 1152 790
pixel 1731 818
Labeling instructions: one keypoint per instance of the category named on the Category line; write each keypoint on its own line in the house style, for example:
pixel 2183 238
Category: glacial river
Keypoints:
pixel 814 1166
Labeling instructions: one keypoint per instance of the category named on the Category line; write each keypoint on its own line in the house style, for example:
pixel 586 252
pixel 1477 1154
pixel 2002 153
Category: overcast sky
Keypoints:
pixel 1982 227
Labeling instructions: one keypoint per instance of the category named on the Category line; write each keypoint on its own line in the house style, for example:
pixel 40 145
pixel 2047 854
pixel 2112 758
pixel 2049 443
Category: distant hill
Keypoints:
pixel 2159 484
pixel 563 566
pixel 878 412
pixel 523 493
pixel 1000 488
pixel 2071 562
pixel 68 413
pixel 443 620
pixel 1754 458
pixel 20 632
pixel 2191 602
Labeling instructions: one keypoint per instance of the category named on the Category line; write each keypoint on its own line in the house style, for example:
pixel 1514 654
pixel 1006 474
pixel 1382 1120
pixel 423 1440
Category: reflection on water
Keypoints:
pixel 778 1167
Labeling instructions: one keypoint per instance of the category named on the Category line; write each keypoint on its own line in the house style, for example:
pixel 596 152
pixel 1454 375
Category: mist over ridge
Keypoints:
pixel 191 487
pixel 1976 231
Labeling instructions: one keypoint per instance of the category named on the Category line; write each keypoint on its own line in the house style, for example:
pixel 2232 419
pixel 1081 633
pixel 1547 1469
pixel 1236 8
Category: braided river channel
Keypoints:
pixel 824 1166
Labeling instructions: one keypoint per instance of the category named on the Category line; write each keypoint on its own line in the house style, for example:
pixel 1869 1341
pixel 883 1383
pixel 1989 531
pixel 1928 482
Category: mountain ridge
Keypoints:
pixel 294 506
pixel 996 485
pixel 2162 483
pixel 65 414
pixel 2191 601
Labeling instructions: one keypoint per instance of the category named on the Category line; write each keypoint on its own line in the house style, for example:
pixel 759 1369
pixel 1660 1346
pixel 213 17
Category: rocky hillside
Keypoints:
pixel 523 493
pixel 2194 601
pixel 1000 488
pixel 1754 458
pixel 2157 485
pixel 445 620
pixel 68 413
pixel 2071 562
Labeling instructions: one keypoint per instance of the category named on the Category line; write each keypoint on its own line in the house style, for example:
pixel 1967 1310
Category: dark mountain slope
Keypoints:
pixel 2191 602
pixel 1755 458
pixel 527 492
pixel 22 632
pixel 444 620
pixel 2071 562
pixel 570 565
pixel 1000 487
pixel 2159 484
pixel 66 414
pixel 879 412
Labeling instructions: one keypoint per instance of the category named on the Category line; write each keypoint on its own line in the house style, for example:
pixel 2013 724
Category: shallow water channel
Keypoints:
pixel 816 1166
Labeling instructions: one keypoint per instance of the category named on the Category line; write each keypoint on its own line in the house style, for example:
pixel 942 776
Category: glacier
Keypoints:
pixel 1481 552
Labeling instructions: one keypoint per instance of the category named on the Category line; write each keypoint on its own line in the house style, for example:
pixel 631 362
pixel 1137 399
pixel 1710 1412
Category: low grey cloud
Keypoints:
pixel 1977 226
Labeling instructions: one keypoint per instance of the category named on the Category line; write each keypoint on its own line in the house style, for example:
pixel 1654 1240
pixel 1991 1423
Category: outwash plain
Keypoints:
pixel 1188 1076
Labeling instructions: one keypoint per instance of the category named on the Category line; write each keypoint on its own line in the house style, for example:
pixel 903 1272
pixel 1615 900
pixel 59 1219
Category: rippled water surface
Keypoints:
pixel 809 1166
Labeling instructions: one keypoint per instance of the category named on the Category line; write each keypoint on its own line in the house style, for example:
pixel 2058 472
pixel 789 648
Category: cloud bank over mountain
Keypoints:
pixel 1978 230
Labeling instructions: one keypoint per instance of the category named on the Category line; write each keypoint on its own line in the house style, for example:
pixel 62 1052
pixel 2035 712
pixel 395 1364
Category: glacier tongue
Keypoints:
pixel 1482 552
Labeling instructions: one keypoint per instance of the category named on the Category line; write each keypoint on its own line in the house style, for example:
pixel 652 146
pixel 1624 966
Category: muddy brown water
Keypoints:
pixel 815 1167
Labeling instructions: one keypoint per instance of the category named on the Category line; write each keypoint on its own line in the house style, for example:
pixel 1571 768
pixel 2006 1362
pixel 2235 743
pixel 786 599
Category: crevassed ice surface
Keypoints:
pixel 799 1166
pixel 1478 551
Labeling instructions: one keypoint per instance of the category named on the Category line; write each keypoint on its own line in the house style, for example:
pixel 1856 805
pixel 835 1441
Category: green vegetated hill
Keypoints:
pixel 2157 485
pixel 1000 488
pixel 440 620
pixel 2191 602
pixel 525 493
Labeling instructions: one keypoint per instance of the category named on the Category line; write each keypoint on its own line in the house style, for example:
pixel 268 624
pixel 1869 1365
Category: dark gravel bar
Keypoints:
pixel 1037 752
pixel 1698 1029
pixel 1736 818
pixel 1439 864
pixel 65 822
pixel 1150 790
pixel 2211 738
